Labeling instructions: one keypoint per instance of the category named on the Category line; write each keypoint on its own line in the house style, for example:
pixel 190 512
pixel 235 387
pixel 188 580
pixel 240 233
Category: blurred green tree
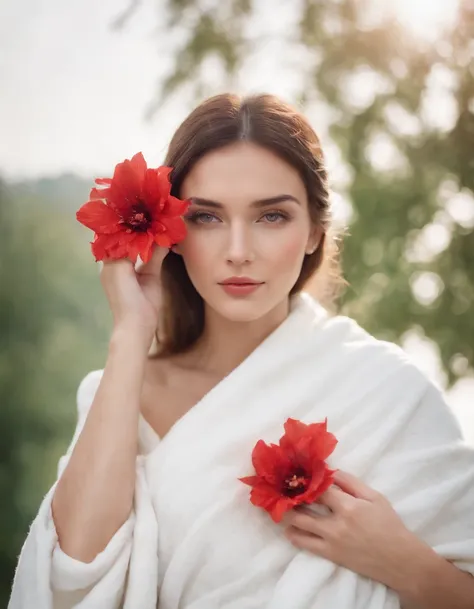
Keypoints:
pixel 409 256
pixel 23 325
pixel 53 329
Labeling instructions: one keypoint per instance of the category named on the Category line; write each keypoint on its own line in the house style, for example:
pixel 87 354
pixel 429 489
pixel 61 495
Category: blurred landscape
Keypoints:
pixel 392 97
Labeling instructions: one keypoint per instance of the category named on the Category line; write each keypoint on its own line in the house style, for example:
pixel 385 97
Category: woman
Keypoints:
pixel 148 508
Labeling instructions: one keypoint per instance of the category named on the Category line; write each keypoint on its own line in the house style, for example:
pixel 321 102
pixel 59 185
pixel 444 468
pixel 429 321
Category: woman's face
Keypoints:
pixel 248 220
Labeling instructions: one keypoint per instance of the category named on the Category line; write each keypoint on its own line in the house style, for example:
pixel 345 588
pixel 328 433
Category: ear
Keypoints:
pixel 314 239
pixel 176 249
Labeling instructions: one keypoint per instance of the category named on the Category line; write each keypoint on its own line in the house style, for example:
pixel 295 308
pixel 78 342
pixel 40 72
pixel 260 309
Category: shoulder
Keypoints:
pixel 350 350
pixel 354 342
pixel 437 421
pixel 390 364
pixel 87 390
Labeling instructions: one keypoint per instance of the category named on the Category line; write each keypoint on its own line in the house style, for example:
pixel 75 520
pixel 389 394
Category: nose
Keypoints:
pixel 240 246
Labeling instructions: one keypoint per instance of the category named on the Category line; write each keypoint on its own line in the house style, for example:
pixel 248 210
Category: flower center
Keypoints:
pixel 139 219
pixel 296 483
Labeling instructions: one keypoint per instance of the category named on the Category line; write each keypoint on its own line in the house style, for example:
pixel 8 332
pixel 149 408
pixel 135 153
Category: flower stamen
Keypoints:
pixel 295 484
pixel 139 219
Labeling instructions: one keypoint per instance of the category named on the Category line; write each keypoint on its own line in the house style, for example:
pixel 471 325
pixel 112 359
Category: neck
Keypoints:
pixel 225 344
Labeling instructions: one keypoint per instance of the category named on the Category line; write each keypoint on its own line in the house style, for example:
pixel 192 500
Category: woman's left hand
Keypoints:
pixel 362 532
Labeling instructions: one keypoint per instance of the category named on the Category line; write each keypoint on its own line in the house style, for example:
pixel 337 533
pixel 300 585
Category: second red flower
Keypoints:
pixel 294 471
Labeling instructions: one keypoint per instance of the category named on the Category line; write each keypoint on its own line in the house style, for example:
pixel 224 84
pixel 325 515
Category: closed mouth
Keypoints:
pixel 240 281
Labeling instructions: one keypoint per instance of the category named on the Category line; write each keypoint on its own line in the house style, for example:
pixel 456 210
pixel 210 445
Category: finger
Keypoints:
pixel 122 265
pixel 354 486
pixel 116 262
pixel 153 266
pixel 304 541
pixel 335 499
pixel 314 524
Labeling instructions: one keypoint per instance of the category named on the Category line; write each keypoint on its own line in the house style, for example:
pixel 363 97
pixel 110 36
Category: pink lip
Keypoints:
pixel 239 281
pixel 235 289
pixel 239 288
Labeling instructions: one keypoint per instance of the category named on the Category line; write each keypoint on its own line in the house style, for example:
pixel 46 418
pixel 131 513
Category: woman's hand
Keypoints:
pixel 362 532
pixel 135 296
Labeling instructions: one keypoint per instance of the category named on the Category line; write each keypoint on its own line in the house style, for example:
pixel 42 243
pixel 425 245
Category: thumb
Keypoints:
pixel 153 266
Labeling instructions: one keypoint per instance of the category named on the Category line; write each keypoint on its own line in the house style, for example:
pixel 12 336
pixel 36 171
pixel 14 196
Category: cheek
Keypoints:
pixel 292 250
pixel 287 250
pixel 197 251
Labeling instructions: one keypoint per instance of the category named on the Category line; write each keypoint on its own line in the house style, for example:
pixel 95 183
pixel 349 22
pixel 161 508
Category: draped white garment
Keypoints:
pixel 194 541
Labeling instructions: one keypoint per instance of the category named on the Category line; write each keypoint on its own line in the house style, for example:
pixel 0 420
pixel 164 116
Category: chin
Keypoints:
pixel 242 310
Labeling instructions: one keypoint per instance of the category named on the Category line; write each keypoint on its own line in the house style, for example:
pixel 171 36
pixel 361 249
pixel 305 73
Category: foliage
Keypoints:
pixel 53 329
pixel 395 209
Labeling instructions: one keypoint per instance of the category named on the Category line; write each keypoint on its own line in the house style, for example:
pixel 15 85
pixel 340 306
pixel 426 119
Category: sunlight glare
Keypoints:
pixel 425 18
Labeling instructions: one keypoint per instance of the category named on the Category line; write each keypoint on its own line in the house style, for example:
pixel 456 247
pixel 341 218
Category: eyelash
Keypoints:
pixel 197 215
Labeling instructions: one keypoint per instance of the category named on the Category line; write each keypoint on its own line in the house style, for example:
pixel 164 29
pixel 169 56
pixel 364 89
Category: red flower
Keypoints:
pixel 133 212
pixel 293 471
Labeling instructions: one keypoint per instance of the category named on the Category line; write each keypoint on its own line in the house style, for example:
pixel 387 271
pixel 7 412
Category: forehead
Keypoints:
pixel 244 171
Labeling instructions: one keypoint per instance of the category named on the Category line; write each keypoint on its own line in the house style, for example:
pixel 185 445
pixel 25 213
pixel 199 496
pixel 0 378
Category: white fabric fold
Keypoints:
pixel 47 578
pixel 196 542
pixel 69 574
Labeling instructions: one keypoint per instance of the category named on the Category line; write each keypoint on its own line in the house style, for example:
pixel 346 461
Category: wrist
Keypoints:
pixel 131 335
pixel 420 568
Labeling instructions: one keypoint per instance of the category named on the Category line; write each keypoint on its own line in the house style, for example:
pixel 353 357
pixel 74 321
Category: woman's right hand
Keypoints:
pixel 135 295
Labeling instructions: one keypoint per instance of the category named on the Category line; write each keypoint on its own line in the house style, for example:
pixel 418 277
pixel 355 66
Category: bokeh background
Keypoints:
pixel 388 85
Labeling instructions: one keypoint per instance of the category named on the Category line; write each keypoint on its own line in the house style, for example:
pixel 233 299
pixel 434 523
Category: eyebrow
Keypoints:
pixel 258 203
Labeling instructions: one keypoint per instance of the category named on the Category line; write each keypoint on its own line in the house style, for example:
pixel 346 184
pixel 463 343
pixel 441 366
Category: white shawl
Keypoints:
pixel 194 541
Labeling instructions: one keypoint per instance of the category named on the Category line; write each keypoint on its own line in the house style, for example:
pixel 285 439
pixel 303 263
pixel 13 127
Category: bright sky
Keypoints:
pixel 73 94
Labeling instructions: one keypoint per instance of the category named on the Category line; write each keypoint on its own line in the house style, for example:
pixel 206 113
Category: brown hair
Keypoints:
pixel 267 121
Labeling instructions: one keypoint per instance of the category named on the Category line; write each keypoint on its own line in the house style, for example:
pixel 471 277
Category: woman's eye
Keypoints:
pixel 206 218
pixel 201 218
pixel 274 217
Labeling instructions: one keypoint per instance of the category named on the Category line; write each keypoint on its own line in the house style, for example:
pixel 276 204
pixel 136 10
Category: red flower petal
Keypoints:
pixel 295 430
pixel 130 174
pixel 99 193
pixel 299 452
pixel 175 228
pixel 156 187
pixel 269 462
pixel 266 496
pixel 298 434
pixel 271 501
pixel 321 480
pixel 175 207
pixel 323 446
pixel 107 181
pixel 98 217
pixel 163 177
pixel 142 246
pixel 139 165
pixel 112 247
pixel 164 240
pixel 125 190
pixel 136 207
pixel 281 507
pixel 123 245
pixel 250 480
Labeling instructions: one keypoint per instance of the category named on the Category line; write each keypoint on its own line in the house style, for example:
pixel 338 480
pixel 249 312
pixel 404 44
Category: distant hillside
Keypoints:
pixel 66 192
